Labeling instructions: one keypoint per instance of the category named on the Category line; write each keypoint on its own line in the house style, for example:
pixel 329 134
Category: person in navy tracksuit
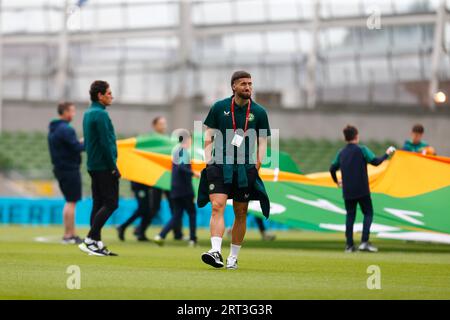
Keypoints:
pixel 65 151
pixel 181 192
pixel 352 160
pixel 148 199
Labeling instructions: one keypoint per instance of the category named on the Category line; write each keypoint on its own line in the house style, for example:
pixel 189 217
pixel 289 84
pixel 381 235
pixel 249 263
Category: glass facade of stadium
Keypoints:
pixel 301 53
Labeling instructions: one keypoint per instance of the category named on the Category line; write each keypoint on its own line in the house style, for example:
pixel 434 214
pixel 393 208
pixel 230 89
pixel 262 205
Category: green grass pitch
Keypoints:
pixel 298 265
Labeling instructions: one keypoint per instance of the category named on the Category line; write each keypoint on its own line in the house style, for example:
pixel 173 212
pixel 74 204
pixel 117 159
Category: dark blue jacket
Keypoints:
pixel 181 184
pixel 352 160
pixel 65 149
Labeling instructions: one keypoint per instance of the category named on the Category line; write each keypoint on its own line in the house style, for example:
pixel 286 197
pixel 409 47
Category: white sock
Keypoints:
pixel 235 250
pixel 216 244
pixel 88 240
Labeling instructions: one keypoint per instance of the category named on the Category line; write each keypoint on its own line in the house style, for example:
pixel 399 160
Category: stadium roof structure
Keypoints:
pixel 301 53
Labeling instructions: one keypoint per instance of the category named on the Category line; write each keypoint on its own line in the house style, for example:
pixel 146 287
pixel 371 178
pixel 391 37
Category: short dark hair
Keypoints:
pixel 239 75
pixel 156 119
pixel 98 86
pixel 350 133
pixel 63 106
pixel 418 128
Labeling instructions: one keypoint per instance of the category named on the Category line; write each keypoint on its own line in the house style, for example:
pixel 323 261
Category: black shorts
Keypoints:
pixel 214 175
pixel 69 183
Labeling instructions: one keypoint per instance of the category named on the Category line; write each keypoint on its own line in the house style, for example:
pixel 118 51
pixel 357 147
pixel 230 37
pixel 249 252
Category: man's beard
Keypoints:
pixel 244 95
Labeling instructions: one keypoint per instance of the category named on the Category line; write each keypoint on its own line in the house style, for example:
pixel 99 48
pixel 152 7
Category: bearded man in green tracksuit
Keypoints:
pixel 237 128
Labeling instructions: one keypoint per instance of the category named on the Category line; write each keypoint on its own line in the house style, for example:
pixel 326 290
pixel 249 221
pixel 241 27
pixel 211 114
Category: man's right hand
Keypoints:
pixel 339 183
pixel 390 150
pixel 116 173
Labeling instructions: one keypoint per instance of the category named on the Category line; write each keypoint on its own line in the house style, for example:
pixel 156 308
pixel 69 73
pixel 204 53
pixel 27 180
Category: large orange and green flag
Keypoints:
pixel 411 192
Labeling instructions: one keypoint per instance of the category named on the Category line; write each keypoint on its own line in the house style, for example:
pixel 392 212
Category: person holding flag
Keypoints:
pixel 352 160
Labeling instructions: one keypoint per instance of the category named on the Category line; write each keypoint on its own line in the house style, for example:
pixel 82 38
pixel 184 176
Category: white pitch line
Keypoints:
pixel 47 239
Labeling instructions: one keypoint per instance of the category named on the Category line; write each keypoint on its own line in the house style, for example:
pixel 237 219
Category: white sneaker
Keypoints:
pixel 368 247
pixel 192 243
pixel 158 240
pixel 268 236
pixel 232 263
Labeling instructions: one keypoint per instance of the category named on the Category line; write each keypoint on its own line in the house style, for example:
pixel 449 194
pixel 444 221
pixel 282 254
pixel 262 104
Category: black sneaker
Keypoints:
pixel 92 248
pixel 213 259
pixel 109 253
pixel 121 233
pixel 350 249
pixel 142 238
pixel 77 239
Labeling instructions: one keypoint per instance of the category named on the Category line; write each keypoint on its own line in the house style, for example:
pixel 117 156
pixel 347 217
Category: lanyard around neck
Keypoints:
pixel 246 117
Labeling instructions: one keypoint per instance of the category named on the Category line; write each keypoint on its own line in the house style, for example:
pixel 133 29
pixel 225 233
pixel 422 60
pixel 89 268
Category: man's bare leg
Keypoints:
pixel 217 222
pixel 217 227
pixel 69 219
pixel 240 222
pixel 238 231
